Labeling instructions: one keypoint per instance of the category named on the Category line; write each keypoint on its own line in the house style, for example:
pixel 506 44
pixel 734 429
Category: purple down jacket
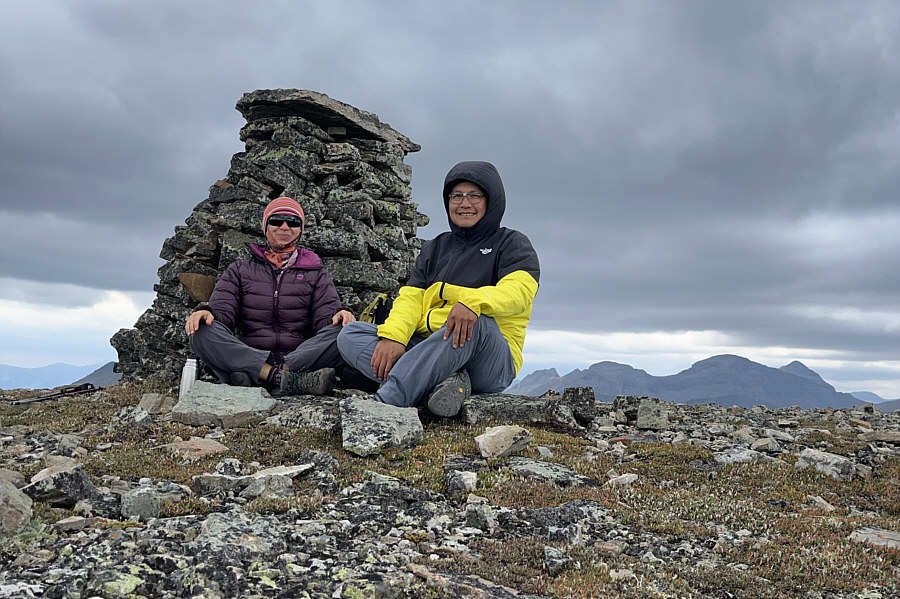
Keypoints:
pixel 272 312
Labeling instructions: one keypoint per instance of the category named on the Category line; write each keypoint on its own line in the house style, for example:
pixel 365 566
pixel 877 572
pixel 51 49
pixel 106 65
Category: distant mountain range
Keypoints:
pixel 726 380
pixel 55 375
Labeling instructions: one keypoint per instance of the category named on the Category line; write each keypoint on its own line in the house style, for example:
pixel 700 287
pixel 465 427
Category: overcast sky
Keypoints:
pixel 698 177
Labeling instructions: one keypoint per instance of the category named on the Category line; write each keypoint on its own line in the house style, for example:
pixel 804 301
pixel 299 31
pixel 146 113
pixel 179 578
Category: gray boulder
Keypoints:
pixel 62 485
pixel 156 403
pixel 141 504
pixel 369 427
pixel 208 404
pixel 551 472
pixel 15 509
pixel 501 441
pixel 833 465
pixel 322 413
pixel 486 407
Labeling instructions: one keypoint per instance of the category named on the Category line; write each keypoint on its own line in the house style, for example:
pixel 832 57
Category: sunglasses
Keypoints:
pixel 292 221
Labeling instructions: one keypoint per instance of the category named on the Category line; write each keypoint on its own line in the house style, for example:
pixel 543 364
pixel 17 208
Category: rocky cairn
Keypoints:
pixel 346 169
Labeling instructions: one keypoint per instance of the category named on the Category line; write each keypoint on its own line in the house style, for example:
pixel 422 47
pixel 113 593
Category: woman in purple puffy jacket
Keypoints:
pixel 273 317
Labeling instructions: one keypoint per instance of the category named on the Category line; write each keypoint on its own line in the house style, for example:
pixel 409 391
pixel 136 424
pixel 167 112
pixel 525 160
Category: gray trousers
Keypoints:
pixel 224 353
pixel 430 360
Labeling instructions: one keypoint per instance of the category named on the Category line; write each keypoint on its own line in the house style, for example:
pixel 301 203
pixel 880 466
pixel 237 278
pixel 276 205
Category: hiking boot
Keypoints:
pixel 447 398
pixel 317 382
pixel 240 379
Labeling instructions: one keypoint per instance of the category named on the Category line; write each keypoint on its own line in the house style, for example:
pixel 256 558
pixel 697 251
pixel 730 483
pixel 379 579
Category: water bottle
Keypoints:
pixel 188 376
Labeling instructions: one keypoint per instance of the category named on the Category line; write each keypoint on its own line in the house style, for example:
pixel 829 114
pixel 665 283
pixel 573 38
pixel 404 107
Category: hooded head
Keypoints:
pixel 486 177
pixel 283 206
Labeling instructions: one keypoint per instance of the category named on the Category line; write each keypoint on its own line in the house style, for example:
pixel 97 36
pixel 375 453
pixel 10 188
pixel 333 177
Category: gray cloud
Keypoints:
pixel 679 166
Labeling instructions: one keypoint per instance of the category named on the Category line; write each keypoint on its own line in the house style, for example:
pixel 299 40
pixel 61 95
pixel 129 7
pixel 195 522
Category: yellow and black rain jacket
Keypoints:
pixel 492 270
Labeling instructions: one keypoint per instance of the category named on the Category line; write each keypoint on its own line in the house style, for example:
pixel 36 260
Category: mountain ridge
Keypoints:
pixel 55 375
pixel 725 379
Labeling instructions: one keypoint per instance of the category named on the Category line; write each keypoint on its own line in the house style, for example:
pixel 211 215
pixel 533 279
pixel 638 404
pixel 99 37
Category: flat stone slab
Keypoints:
pixel 321 109
pixel 549 472
pixel 835 466
pixel 224 406
pixel 502 407
pixel 738 455
pixel 195 447
pixel 883 436
pixel 321 413
pixel 877 536
pixel 369 427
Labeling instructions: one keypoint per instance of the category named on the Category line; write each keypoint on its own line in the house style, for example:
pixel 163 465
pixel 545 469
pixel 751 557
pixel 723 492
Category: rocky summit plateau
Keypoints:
pixel 228 492
pixel 135 491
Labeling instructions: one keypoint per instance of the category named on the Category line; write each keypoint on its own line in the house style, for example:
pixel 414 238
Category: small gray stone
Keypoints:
pixel 156 403
pixel 269 486
pixel 481 516
pixel 15 509
pixel 501 441
pixel 555 560
pixel 369 427
pixel 141 504
pixel 831 464
pixel 737 455
pixel 548 471
pixel 545 452
pixel 873 535
pixel 63 484
pixel 652 414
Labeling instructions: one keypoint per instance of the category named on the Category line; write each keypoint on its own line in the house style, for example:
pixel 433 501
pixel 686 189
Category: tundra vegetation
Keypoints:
pixel 752 522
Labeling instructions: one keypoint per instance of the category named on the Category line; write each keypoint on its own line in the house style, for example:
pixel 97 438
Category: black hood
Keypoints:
pixel 485 176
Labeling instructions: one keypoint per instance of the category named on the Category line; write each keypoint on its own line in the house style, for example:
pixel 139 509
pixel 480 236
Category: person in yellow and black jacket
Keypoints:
pixel 458 325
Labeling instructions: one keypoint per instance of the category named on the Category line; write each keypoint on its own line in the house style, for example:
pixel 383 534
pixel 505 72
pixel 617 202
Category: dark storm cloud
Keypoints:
pixel 691 165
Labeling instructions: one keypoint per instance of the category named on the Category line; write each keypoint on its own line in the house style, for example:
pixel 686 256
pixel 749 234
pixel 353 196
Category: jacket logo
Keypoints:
pixel 300 276
pixel 485 251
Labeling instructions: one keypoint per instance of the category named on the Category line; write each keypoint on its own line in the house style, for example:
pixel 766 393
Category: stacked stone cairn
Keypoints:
pixel 346 169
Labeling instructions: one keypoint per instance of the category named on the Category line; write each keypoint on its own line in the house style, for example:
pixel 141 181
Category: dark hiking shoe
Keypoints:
pixel 240 379
pixel 447 398
pixel 317 382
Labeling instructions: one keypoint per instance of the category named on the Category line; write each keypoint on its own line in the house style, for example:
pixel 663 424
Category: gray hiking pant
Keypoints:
pixel 224 353
pixel 429 360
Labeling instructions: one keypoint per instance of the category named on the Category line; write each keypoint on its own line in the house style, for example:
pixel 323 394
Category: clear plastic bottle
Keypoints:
pixel 188 376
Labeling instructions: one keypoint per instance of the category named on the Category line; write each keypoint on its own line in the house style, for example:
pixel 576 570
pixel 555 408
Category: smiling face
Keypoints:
pixel 281 236
pixel 464 212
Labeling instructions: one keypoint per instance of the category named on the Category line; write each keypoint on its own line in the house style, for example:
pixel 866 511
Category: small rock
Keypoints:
pixel 481 516
pixel 368 427
pixel 461 482
pixel 156 403
pixel 876 536
pixel 833 465
pixel 15 509
pixel 195 448
pixel 555 560
pixel 501 441
pixel 270 487
pixel 820 503
pixel 623 480
pixel 141 504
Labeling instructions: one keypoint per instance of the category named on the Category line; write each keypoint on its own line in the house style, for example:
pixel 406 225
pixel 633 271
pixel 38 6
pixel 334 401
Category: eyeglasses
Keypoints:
pixel 474 197
pixel 292 221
